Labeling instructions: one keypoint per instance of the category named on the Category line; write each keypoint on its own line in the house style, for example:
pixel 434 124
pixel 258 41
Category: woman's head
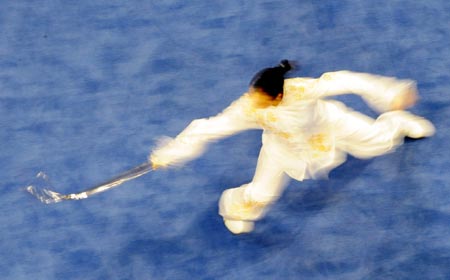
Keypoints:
pixel 270 81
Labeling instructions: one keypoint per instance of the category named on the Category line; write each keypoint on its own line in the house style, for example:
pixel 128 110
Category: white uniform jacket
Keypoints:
pixel 305 133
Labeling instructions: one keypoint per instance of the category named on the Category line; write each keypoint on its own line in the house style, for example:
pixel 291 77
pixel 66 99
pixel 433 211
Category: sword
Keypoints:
pixel 47 196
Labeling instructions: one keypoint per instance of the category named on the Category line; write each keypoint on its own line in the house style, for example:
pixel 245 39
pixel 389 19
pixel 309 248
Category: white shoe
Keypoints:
pixel 414 126
pixel 420 127
pixel 239 227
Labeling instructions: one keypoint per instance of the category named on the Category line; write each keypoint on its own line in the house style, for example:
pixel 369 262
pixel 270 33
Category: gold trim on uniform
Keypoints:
pixel 319 142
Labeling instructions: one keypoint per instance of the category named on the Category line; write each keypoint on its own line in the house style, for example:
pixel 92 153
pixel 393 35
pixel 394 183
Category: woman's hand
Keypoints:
pixel 156 163
pixel 405 99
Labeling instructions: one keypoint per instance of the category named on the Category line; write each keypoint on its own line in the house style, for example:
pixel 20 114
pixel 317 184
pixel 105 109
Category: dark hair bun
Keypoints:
pixel 271 80
pixel 287 65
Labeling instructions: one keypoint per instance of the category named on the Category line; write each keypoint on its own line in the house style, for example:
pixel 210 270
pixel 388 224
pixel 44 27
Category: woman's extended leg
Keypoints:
pixel 365 137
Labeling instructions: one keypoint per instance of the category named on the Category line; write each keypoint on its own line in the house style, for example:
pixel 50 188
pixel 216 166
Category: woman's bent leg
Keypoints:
pixel 241 206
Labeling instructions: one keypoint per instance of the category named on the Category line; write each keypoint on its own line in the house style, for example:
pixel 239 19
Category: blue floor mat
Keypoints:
pixel 87 87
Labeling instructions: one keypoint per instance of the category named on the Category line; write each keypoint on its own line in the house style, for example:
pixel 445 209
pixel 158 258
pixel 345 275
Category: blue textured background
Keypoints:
pixel 87 86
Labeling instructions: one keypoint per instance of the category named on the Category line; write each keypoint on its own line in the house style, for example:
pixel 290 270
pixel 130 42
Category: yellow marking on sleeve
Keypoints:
pixel 296 90
pixel 327 76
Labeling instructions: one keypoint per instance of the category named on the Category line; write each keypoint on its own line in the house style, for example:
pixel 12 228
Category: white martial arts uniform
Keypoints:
pixel 305 135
